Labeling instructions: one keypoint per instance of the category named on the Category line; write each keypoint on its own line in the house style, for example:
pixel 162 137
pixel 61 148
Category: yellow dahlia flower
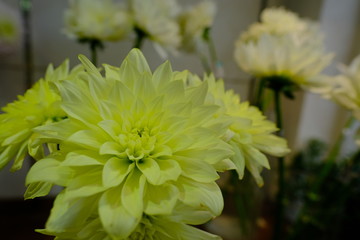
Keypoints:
pixel 194 22
pixel 157 20
pixel 250 134
pixel 40 105
pixel 282 56
pixel 100 20
pixel 134 143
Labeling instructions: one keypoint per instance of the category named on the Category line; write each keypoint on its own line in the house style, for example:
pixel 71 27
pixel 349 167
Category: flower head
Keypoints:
pixel 345 88
pixel 250 134
pixel 194 22
pixel 282 56
pixel 39 105
pixel 134 143
pixel 157 20
pixel 285 48
pixel 97 20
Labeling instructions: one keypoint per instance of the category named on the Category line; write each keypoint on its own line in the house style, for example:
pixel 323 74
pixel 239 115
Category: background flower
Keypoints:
pixel 38 106
pixel 156 19
pixel 271 56
pixel 100 20
pixel 346 87
pixel 10 29
pixel 193 22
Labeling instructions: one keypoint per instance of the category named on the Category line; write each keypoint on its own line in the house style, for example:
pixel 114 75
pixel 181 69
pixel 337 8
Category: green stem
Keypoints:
pixel 93 50
pixel 279 217
pixel 140 37
pixel 259 102
pixel 205 63
pixel 25 6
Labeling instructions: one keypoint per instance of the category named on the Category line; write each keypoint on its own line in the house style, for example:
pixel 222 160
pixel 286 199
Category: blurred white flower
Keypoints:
pixel 157 20
pixel 100 20
pixel 346 87
pixel 279 21
pixel 10 29
pixel 194 21
pixel 282 56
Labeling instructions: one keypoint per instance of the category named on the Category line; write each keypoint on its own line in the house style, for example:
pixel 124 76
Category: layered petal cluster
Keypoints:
pixel 135 143
pixel 283 45
pixel 100 20
pixel 250 134
pixel 39 105
pixel 150 227
pixel 193 22
pixel 10 29
pixel 277 21
pixel 157 20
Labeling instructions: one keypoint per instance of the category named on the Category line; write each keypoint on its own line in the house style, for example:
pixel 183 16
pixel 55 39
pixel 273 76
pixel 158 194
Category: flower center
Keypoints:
pixel 138 144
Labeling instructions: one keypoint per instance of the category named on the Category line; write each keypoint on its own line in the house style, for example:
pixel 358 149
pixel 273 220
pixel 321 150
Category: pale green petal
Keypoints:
pixel 87 182
pixel 69 215
pixel 86 138
pixel 182 231
pixel 136 58
pixel 197 169
pixel 49 170
pixel 132 193
pixel 38 189
pixel 238 159
pixel 81 158
pixel 151 170
pixel 111 148
pixel 115 171
pixel 271 144
pixel 189 215
pixel 252 154
pixel 205 196
pixel 117 221
pixel 160 199
pixel 169 170
pixel 162 74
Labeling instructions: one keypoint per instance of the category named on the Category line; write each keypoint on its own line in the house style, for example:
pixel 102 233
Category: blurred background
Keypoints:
pixel 306 118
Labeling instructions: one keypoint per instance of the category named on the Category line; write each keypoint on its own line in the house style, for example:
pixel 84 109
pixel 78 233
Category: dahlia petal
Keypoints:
pixel 49 170
pixel 115 171
pixel 160 199
pixel 114 215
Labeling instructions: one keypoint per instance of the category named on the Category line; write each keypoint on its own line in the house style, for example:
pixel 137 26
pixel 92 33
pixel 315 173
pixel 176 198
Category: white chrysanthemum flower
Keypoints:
pixel 10 29
pixel 157 20
pixel 346 87
pixel 282 56
pixel 100 20
pixel 193 22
